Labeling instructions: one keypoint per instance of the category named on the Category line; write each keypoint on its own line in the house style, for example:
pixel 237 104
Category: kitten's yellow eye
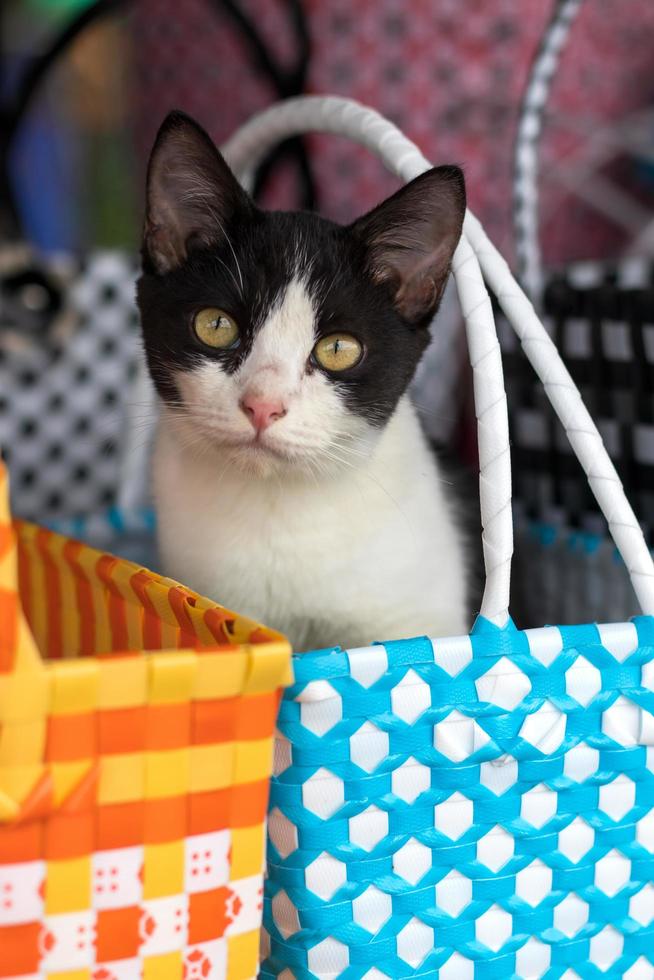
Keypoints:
pixel 338 352
pixel 215 328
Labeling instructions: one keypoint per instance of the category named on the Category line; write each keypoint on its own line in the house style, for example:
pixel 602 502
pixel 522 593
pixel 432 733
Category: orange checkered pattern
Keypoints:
pixel 134 767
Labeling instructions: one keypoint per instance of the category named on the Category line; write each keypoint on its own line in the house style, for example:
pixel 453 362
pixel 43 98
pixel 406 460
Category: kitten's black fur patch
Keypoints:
pixel 379 279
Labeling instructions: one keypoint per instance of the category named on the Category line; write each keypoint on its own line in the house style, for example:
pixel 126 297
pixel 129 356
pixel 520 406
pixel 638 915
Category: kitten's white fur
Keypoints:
pixel 333 531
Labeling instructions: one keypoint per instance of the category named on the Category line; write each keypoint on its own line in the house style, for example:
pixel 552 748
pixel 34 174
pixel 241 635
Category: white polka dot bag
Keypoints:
pixel 75 409
pixel 478 806
pixel 70 386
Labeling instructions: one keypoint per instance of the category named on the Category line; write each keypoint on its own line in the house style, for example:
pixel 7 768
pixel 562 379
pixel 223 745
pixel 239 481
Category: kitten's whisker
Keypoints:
pixel 380 486
pixel 352 450
pixel 428 410
pixel 236 262
pixel 239 289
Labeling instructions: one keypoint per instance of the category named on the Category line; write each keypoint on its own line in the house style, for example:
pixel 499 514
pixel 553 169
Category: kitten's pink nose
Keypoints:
pixel 262 412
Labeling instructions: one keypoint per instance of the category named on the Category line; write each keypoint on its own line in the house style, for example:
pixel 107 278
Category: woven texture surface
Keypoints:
pixel 472 807
pixel 65 396
pixel 133 785
pixel 602 320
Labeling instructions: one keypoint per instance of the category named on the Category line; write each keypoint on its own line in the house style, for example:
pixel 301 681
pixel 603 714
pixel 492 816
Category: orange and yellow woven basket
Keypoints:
pixel 134 767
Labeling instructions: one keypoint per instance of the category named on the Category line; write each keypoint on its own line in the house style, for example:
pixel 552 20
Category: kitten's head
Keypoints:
pixel 282 339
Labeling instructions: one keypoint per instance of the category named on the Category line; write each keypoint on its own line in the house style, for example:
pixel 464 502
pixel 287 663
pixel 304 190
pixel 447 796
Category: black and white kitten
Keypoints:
pixel 292 480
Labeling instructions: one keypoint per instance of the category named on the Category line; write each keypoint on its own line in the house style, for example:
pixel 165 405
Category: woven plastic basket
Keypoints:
pixel 477 806
pixel 134 769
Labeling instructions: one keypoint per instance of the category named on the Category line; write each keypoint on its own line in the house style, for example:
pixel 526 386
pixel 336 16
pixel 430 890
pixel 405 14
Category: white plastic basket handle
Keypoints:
pixel 527 146
pixel 475 254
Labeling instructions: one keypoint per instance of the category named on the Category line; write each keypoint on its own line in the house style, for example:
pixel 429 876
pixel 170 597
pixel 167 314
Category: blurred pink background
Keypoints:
pixel 449 74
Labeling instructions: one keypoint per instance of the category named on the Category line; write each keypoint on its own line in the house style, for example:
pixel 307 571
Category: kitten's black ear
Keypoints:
pixel 191 193
pixel 411 238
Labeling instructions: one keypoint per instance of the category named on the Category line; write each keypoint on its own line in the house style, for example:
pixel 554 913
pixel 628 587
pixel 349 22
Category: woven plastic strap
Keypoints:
pixel 17 647
pixel 348 118
pixel 527 145
pixel 493 433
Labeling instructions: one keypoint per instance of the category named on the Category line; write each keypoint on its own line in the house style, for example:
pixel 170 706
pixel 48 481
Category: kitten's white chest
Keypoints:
pixel 370 554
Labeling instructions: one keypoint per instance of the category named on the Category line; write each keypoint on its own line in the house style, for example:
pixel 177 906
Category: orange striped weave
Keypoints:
pixel 134 768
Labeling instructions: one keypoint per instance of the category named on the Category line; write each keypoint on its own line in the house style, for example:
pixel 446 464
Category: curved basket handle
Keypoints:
pixel 475 251
pixel 527 146
pixel 366 126
pixel 18 650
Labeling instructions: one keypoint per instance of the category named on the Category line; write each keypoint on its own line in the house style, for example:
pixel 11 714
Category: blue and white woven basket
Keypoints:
pixel 478 806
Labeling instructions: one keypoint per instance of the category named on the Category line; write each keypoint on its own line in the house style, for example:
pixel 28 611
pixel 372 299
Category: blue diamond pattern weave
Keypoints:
pixel 475 807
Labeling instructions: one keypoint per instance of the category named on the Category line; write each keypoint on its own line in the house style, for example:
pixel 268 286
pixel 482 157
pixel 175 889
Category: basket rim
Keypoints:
pixel 269 642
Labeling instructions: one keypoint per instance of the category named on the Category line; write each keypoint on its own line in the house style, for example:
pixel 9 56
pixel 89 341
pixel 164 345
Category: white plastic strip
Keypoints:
pixel 347 118
pixel 492 433
pixel 140 423
pixel 527 146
